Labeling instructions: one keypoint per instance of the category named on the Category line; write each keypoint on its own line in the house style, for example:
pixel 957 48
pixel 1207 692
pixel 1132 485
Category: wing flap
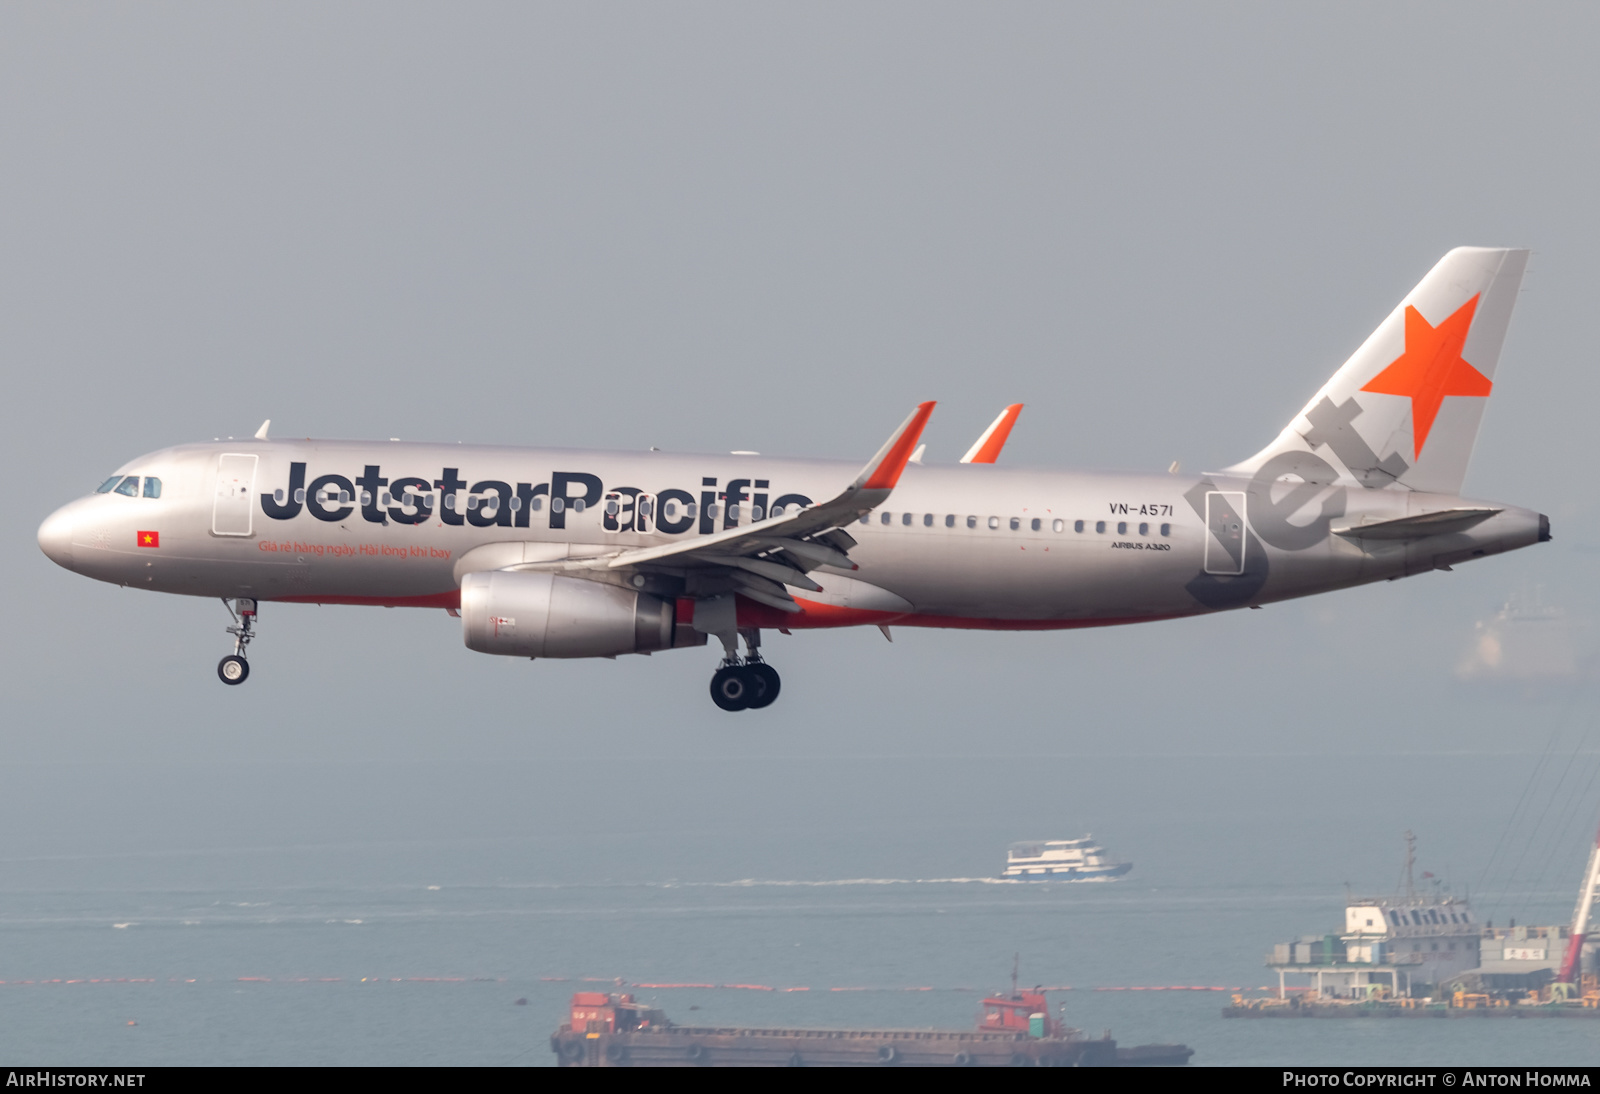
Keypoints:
pixel 763 591
pixel 772 571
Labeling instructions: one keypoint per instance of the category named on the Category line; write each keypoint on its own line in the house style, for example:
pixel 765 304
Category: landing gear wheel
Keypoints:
pixel 233 669
pixel 733 687
pixel 766 681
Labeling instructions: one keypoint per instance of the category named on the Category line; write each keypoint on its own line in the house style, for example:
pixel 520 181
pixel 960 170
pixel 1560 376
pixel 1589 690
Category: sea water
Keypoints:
pixel 216 927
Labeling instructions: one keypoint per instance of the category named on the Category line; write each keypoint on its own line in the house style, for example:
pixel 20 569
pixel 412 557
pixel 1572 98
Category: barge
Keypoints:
pixel 1428 956
pixel 1014 1030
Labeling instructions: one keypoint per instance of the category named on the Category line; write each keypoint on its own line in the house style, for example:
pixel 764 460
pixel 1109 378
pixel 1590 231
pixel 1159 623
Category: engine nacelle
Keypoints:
pixel 525 614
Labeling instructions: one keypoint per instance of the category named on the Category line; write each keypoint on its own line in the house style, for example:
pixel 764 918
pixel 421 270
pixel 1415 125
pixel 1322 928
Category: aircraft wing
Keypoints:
pixel 760 558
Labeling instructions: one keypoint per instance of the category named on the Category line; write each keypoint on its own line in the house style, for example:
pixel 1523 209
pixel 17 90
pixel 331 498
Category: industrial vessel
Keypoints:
pixel 1014 1030
pixel 1425 954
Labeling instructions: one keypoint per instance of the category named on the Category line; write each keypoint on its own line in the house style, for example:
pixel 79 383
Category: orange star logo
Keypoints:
pixel 1431 368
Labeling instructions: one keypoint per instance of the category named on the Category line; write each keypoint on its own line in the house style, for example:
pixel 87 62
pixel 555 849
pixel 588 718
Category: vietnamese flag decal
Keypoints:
pixel 149 539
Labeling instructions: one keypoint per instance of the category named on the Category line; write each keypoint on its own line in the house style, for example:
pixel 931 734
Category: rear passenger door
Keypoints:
pixel 1225 532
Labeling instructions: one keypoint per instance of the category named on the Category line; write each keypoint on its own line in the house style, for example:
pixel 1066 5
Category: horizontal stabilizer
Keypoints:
pixel 1441 523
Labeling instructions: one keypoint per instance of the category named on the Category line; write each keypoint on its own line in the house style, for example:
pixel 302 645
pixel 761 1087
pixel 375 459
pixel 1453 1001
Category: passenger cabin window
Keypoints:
pixel 1144 529
pixel 105 487
pixel 1166 529
pixel 129 486
pixel 886 518
pixel 972 522
pixel 1077 526
pixel 1122 527
pixel 950 520
pixel 905 518
pixel 1037 524
pixel 994 522
pixel 1100 527
pixel 1016 522
pixel 152 486
pixel 277 496
pixel 755 510
pixel 1058 525
pixel 927 520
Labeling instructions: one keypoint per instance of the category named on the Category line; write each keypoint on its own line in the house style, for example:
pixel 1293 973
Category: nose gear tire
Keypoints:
pixel 233 669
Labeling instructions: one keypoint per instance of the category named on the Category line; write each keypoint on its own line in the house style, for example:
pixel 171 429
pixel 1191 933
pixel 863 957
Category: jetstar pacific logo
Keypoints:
pixel 148 539
pixel 1432 368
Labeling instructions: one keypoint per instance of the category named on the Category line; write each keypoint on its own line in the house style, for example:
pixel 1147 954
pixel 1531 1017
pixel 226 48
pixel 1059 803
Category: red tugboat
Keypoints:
pixel 1015 1030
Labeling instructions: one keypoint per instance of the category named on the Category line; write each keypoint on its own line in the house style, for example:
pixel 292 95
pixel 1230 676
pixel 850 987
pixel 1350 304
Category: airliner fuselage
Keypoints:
pixel 572 553
pixel 979 546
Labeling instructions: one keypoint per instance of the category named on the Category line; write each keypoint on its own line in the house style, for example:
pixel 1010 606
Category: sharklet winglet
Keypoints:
pixel 987 447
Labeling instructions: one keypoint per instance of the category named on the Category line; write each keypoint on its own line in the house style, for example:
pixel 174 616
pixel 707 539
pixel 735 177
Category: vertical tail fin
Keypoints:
pixel 1405 407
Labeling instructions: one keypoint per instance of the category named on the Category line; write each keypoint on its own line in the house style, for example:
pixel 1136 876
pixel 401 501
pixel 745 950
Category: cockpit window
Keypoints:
pixel 105 487
pixel 152 487
pixel 130 486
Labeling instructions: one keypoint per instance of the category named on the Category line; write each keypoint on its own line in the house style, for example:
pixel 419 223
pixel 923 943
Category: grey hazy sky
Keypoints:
pixel 719 226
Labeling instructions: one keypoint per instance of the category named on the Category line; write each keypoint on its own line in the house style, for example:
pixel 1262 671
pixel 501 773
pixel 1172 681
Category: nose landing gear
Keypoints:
pixel 234 669
pixel 749 684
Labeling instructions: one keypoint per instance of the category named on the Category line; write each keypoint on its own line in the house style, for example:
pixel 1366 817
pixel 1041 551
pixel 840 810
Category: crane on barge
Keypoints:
pixel 1570 971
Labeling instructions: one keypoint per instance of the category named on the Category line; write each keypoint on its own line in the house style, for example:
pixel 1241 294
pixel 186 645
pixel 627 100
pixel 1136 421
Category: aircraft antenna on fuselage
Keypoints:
pixel 261 434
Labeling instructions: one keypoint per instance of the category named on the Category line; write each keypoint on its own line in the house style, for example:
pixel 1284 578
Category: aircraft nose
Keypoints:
pixel 55 538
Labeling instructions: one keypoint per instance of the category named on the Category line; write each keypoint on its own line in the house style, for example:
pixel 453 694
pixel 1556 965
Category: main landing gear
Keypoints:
pixel 234 669
pixel 747 684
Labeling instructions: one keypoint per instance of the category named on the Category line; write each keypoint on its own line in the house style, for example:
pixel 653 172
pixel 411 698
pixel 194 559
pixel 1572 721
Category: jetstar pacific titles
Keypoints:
pixel 497 503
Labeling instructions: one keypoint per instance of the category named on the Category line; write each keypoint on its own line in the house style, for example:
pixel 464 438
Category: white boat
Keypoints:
pixel 1062 860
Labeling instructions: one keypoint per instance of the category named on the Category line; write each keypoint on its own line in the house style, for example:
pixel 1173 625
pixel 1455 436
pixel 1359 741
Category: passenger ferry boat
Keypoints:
pixel 1062 860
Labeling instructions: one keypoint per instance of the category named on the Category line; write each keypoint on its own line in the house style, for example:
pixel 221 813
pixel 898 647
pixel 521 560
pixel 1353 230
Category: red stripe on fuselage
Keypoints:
pixel 451 599
pixel 814 616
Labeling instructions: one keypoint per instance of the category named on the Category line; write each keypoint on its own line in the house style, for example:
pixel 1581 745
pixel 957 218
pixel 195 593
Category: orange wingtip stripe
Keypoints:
pixel 887 473
pixel 993 441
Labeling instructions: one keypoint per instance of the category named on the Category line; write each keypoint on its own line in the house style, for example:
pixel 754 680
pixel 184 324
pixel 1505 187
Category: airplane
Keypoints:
pixel 567 553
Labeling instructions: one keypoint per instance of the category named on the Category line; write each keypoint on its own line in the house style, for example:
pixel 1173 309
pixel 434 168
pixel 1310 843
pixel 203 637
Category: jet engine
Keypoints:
pixel 525 614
